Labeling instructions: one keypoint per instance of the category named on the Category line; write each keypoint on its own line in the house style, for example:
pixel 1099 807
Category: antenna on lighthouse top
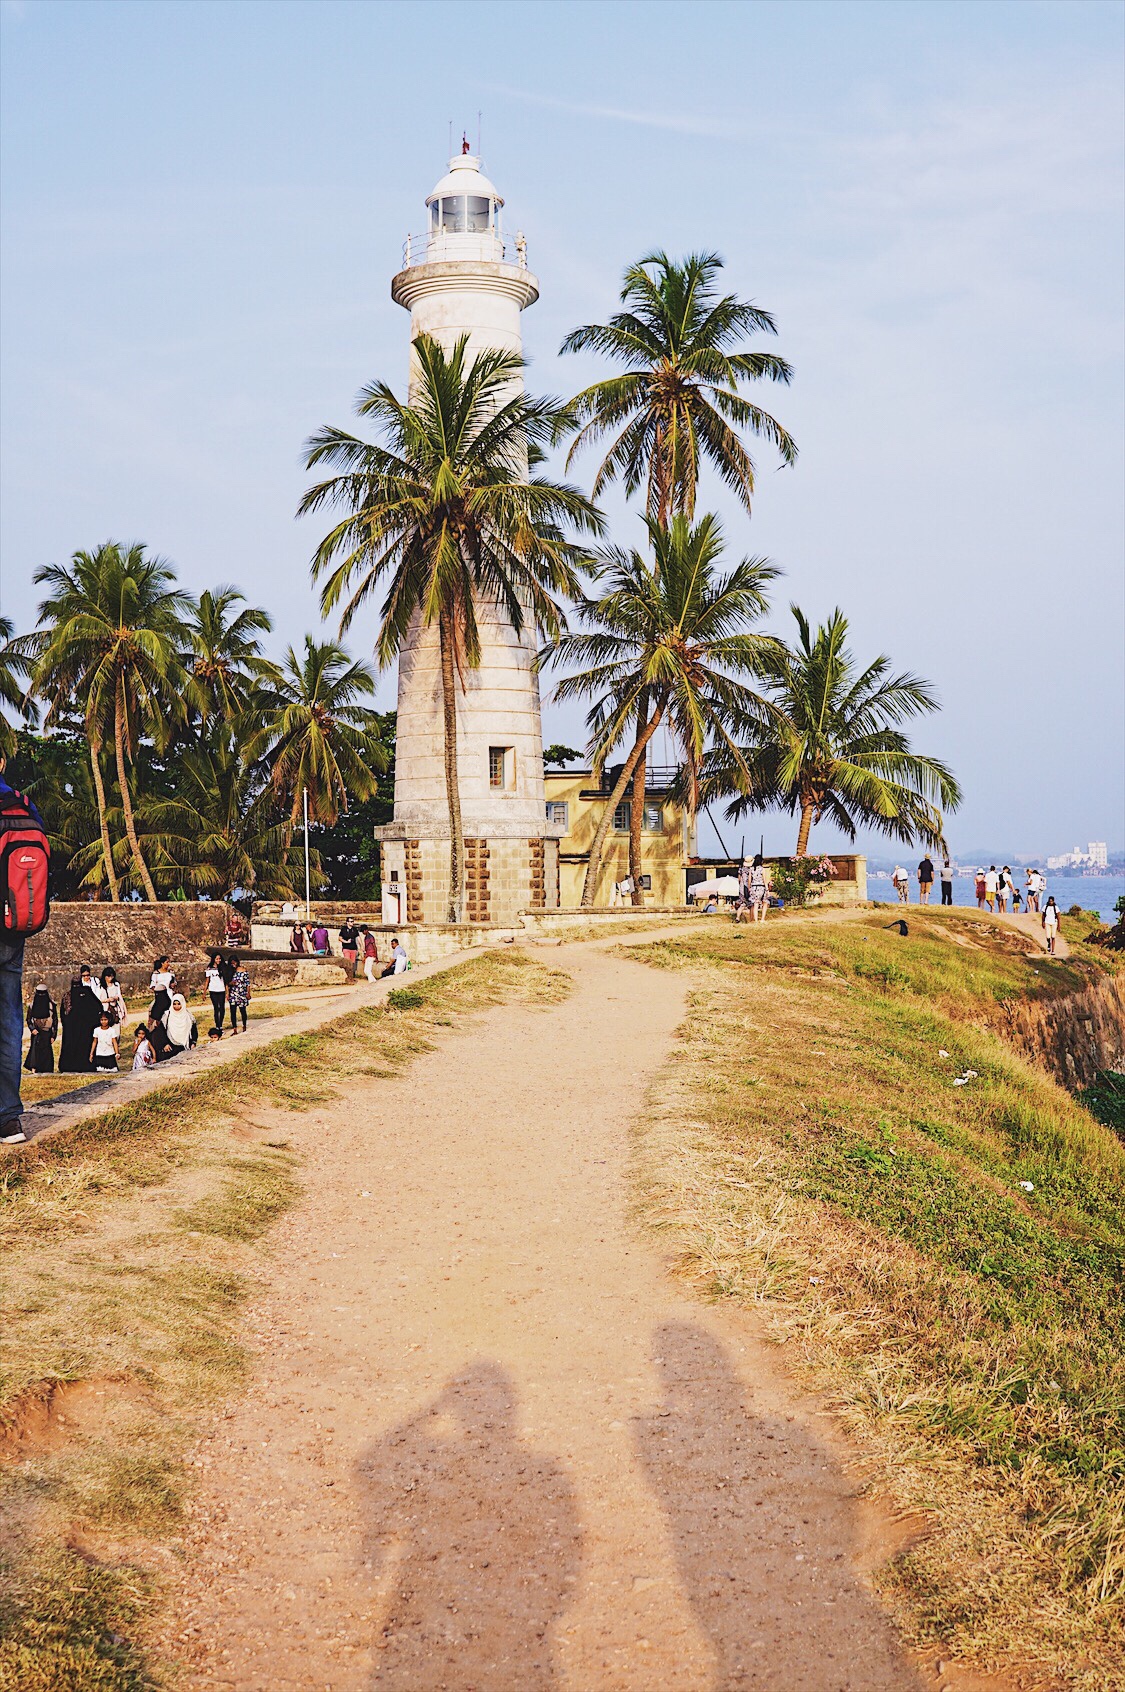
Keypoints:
pixel 478 134
pixel 464 142
pixel 449 149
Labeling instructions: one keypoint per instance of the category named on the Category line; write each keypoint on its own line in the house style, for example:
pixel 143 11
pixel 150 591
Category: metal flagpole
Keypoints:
pixel 305 791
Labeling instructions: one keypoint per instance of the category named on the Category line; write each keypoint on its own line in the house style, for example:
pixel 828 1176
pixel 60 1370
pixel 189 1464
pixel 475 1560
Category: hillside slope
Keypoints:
pixel 935 1228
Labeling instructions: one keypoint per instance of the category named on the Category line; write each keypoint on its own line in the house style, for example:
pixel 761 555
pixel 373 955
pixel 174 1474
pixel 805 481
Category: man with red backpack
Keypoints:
pixel 25 865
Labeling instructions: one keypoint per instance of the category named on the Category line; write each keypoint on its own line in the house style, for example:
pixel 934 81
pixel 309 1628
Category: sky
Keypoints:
pixel 203 204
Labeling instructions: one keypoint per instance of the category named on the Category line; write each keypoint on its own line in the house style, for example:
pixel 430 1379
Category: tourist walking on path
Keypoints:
pixel 109 993
pixel 182 1028
pixel 80 1010
pixel 981 889
pixel 238 994
pixel 42 1026
pixel 946 881
pixel 1036 886
pixel 991 883
pixel 901 882
pixel 1004 886
pixel 143 1055
pixel 925 879
pixel 297 938
pixel 1051 922
pixel 23 818
pixel 162 982
pixel 370 953
pixel 759 889
pixel 320 940
pixel 217 988
pixel 349 944
pixel 103 1044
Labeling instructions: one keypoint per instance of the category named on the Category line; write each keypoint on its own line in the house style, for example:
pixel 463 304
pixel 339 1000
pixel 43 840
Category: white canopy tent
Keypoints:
pixel 723 886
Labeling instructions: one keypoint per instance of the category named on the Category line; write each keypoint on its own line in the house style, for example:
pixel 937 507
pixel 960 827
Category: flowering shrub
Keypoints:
pixel 797 880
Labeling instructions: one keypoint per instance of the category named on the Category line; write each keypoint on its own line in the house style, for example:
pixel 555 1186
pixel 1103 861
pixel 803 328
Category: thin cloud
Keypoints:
pixel 707 128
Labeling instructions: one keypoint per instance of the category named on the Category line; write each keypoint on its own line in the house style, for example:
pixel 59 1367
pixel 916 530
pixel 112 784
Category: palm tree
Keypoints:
pixel 444 511
pixel 831 746
pixel 14 670
pixel 112 627
pixel 673 634
pixel 314 735
pixel 224 654
pixel 223 829
pixel 679 399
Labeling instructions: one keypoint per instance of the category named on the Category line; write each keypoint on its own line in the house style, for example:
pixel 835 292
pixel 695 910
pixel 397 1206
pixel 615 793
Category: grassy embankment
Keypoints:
pixel 129 1245
pixel 809 1154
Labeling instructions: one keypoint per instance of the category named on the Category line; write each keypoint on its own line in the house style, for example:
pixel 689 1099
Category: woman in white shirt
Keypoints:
pixel 162 981
pixel 109 992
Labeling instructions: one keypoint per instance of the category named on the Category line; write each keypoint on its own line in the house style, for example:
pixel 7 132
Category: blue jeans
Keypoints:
pixel 11 1029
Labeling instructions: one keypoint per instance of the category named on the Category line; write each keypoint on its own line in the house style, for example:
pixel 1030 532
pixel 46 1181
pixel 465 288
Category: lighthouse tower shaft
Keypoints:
pixel 461 278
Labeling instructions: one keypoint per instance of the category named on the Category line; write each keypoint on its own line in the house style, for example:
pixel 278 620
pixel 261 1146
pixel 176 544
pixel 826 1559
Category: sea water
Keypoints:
pixel 1093 892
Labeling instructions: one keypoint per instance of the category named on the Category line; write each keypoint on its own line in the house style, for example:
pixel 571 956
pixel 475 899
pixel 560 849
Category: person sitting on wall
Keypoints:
pixel 399 963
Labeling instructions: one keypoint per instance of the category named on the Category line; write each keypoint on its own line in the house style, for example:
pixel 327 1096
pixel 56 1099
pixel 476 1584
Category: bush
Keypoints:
pixel 405 998
pixel 797 879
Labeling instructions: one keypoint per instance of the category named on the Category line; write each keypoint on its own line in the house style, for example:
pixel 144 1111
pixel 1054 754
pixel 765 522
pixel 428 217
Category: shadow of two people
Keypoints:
pixel 478 1538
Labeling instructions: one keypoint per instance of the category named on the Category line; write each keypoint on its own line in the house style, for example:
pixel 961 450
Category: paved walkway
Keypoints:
pixel 489 1445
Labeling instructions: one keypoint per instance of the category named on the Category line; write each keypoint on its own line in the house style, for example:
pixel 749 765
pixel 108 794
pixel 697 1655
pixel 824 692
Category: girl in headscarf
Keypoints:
pixel 80 1011
pixel 42 1025
pixel 180 1025
pixel 109 992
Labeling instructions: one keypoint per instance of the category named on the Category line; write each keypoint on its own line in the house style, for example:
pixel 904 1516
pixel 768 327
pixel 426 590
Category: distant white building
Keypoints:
pixel 1097 857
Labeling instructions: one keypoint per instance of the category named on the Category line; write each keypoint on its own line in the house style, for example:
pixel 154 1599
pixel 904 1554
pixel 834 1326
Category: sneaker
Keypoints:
pixel 12 1134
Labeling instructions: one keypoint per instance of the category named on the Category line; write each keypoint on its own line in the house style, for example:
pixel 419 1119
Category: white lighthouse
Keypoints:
pixel 464 276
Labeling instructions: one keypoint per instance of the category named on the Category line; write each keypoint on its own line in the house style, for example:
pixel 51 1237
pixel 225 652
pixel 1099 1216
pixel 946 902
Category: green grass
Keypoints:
pixel 812 1156
pixel 128 1246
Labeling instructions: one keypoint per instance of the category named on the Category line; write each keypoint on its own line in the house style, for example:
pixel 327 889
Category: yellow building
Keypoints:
pixel 667 840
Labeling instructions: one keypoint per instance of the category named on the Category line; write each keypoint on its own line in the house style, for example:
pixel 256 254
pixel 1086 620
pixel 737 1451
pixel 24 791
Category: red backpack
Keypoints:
pixel 25 869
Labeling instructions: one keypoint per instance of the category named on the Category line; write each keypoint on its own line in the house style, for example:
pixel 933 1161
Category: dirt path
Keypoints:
pixel 489 1444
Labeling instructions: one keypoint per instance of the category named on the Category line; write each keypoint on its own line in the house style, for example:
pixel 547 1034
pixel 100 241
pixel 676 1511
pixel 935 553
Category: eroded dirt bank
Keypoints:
pixel 489 1444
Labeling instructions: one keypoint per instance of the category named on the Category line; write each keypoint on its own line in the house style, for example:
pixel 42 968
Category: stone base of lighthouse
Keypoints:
pixel 503 876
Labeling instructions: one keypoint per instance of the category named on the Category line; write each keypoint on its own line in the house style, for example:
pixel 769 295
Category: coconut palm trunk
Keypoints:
pixel 126 798
pixel 637 818
pixel 103 821
pixel 808 809
pixel 452 782
pixel 597 845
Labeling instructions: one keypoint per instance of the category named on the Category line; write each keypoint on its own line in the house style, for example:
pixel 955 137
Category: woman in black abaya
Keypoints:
pixel 42 1025
pixel 81 1009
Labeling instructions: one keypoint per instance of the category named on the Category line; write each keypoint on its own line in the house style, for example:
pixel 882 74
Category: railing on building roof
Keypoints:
pixel 430 248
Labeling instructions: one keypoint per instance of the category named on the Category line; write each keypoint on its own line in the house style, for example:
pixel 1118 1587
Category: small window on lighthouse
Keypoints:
pixel 502 767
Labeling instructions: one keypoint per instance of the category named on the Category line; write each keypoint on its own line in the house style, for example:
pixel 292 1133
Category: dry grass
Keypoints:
pixel 129 1244
pixel 808 1154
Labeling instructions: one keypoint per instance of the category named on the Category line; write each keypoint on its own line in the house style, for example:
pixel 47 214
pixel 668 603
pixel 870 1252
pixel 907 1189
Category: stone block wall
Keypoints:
pixel 503 875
